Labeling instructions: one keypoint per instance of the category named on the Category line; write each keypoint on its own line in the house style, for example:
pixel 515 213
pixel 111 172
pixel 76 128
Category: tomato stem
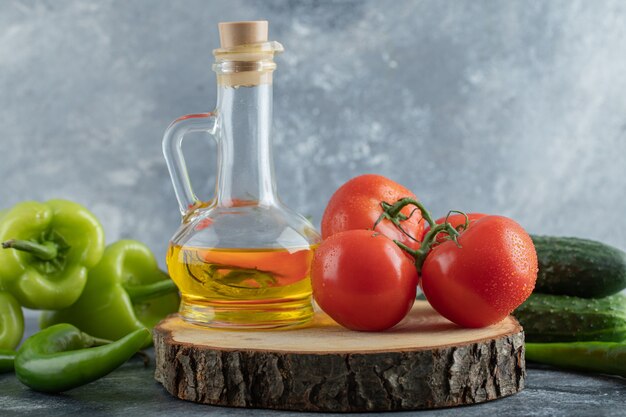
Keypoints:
pixel 392 211
pixel 395 219
pixel 420 254
pixel 460 228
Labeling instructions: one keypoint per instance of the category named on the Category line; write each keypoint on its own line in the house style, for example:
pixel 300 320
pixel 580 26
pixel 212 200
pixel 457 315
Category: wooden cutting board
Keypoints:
pixel 424 362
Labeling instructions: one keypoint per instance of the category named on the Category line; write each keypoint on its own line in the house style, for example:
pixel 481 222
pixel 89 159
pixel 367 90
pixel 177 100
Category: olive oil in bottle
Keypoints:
pixel 243 286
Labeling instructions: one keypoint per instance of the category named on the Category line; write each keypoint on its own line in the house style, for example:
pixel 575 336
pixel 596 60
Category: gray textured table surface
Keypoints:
pixel 132 391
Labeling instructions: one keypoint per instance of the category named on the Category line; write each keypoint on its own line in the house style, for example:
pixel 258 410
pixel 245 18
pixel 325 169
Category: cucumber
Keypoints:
pixel 560 318
pixel 579 267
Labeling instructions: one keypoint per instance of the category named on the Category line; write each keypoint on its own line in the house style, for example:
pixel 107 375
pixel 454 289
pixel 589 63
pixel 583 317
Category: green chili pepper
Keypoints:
pixel 7 359
pixel 48 248
pixel 61 357
pixel 11 321
pixel 125 291
pixel 602 357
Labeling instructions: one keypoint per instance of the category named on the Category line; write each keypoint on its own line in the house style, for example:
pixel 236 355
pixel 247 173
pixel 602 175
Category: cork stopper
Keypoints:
pixel 246 57
pixel 234 34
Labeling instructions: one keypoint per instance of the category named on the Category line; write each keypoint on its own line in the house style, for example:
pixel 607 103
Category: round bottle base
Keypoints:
pixel 234 315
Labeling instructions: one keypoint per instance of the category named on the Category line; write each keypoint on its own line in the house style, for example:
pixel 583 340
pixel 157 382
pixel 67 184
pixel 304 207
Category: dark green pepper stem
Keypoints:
pixel 97 341
pixel 141 293
pixel 7 359
pixel 45 251
pixel 62 357
pixel 601 357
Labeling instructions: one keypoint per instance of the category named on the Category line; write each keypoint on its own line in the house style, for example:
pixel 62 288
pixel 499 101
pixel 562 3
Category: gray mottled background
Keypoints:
pixel 516 108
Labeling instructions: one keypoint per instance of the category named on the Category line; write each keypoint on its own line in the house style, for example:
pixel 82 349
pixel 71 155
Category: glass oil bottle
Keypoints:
pixel 242 260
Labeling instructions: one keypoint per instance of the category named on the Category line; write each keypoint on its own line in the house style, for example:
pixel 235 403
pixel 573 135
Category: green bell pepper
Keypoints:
pixel 7 360
pixel 11 321
pixel 126 291
pixel 48 249
pixel 62 357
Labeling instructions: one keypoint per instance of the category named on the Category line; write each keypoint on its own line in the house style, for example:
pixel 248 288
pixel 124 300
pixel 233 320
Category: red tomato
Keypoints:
pixel 485 279
pixel 363 280
pixel 356 205
pixel 455 220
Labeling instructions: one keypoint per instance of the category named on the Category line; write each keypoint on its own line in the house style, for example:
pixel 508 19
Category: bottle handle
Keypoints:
pixel 172 149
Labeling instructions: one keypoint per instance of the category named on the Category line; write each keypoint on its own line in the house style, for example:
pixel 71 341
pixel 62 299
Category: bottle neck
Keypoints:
pixel 246 167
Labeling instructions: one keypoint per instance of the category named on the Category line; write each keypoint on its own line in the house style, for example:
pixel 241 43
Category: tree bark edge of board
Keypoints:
pixel 342 382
